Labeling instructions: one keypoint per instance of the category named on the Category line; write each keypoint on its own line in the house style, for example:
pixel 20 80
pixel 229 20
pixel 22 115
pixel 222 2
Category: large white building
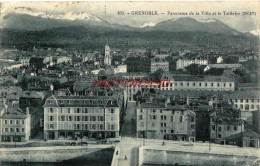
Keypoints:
pixel 245 100
pixel 182 63
pixel 68 117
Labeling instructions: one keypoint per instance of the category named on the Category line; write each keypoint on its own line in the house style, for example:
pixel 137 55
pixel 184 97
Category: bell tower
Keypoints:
pixel 107 59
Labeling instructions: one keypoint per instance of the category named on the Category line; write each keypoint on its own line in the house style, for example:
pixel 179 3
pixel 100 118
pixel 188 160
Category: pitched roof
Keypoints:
pixel 81 101
pixel 244 95
pixel 14 113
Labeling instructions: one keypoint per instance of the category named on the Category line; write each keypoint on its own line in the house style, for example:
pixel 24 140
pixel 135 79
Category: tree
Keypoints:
pixel 214 71
pixel 194 69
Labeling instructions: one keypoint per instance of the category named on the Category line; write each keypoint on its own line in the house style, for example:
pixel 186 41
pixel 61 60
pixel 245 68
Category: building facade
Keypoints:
pixel 157 64
pixel 183 63
pixel 159 121
pixel 81 116
pixel 15 124
pixel 245 100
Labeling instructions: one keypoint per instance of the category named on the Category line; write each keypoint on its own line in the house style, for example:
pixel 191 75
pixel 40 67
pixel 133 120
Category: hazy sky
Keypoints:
pixel 108 11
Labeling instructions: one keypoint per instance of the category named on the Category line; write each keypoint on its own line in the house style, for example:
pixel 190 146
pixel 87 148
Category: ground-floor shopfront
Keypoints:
pixel 70 134
pixel 13 138
pixel 166 136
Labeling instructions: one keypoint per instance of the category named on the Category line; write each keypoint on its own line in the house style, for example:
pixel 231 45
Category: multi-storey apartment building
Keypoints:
pixel 15 125
pixel 158 63
pixel 209 83
pixel 157 120
pixel 79 116
pixel 182 63
pixel 245 100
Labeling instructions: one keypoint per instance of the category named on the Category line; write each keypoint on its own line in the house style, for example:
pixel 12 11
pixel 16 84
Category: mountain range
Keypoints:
pixel 22 21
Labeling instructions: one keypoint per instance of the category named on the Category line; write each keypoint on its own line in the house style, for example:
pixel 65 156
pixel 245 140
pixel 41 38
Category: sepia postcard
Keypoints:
pixel 129 83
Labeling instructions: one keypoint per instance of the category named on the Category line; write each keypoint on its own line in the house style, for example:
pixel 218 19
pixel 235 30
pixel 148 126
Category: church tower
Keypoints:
pixel 108 58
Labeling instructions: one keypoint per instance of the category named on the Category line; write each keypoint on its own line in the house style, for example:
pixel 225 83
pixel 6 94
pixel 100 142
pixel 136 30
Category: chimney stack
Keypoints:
pixel 27 111
pixel 188 100
pixel 165 103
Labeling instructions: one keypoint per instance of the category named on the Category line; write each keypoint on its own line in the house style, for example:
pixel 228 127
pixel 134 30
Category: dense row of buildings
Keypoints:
pixel 61 100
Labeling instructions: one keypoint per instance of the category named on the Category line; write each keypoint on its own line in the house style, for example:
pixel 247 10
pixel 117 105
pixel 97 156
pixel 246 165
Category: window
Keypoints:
pixel 112 127
pixel 62 118
pixel 172 131
pixel 101 118
pixel 11 121
pixel 230 84
pixel 78 118
pixel 181 119
pixel 61 110
pixel 188 84
pixel 5 121
pixel 141 110
pixel 192 119
pixel 17 121
pixel 93 118
pixel 192 126
pixel 50 118
pixel 246 100
pixel 219 135
pixel 212 84
pixel 224 84
pixel 199 84
pixel 241 106
pixel 219 128
pixel 213 127
pixel 101 126
pixel 22 129
pixel 86 110
pixel 241 100
pixel 235 128
pixel 68 110
pixel 86 126
pixel 252 106
pixel 142 124
pixel 228 128
pixel 78 126
pixel 17 130
pixel 112 111
pixel 164 117
pixel 51 110
pixel 140 117
pixel 194 84
pixel 51 126
pixel 11 129
pixel 153 124
pixel 164 124
pixel 161 124
pixel 206 84
pixel 69 118
pixel 161 117
pixel 6 129
pixel 22 121
pixel 218 84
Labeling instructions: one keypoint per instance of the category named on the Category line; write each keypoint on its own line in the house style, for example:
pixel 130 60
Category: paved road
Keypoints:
pixel 129 126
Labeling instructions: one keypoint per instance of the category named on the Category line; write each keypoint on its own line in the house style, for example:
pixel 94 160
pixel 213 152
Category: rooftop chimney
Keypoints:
pixel 27 111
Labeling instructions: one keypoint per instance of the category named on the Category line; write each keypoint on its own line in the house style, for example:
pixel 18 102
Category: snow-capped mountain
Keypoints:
pixel 206 20
pixel 149 24
pixel 65 16
pixel 255 32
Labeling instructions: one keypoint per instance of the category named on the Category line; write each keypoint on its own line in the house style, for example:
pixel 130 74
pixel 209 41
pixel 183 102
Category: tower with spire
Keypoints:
pixel 108 58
